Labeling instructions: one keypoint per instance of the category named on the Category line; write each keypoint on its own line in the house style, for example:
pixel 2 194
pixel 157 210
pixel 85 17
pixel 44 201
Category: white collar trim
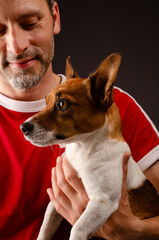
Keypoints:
pixel 20 106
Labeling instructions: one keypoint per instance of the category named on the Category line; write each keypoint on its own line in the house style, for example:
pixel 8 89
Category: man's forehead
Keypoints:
pixel 16 8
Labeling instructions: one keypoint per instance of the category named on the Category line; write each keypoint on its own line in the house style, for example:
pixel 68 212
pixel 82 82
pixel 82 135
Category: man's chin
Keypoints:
pixel 24 84
pixel 24 81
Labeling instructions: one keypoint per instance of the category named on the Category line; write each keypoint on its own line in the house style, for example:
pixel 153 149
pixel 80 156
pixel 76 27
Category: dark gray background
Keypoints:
pixel 91 30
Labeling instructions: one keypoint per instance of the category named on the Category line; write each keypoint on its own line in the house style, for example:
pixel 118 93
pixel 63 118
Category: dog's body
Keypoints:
pixel 82 114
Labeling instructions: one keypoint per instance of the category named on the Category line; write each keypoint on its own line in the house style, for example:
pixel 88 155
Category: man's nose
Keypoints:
pixel 16 41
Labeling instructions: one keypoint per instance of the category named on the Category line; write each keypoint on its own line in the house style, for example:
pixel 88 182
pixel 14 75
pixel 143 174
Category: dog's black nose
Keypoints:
pixel 26 128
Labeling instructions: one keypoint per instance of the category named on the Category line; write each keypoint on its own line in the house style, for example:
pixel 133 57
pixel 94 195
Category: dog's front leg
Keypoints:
pixel 97 212
pixel 50 223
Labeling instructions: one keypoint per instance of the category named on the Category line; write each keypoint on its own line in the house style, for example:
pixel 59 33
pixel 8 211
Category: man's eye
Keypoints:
pixel 2 30
pixel 62 104
pixel 29 26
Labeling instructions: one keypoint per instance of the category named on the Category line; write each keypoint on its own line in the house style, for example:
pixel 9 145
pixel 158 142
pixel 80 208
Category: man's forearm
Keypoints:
pixel 147 229
pixel 151 228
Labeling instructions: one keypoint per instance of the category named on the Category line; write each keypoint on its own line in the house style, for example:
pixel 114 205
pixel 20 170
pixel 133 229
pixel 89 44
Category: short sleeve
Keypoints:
pixel 138 130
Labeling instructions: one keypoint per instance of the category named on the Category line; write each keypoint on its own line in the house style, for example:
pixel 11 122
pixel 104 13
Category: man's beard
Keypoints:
pixel 27 78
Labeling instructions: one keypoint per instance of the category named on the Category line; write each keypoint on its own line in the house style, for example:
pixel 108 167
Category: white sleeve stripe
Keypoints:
pixel 145 114
pixel 149 159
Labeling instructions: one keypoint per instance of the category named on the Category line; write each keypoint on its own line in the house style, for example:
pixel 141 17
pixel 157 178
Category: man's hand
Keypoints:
pixel 68 193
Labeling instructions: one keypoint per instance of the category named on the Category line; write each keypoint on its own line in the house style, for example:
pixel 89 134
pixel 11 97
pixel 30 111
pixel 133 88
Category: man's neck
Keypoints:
pixel 38 92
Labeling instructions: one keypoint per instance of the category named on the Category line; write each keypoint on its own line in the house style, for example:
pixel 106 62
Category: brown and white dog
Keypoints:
pixel 81 114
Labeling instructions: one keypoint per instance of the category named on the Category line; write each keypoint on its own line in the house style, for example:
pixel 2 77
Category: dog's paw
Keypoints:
pixel 78 234
pixel 44 237
pixel 77 237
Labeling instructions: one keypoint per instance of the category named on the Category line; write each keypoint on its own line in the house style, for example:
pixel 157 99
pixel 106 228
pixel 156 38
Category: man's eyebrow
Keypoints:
pixel 32 13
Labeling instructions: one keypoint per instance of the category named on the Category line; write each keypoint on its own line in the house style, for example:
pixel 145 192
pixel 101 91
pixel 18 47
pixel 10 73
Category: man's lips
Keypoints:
pixel 23 63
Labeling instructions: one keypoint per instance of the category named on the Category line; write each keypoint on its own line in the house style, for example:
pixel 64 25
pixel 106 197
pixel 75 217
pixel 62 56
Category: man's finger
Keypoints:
pixel 124 194
pixel 57 193
pixel 63 184
pixel 72 178
pixel 125 163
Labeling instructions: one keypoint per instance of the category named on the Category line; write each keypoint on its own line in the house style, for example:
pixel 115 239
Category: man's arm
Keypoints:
pixel 152 173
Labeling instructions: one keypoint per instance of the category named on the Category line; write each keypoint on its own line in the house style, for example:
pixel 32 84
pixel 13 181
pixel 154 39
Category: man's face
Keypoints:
pixel 26 41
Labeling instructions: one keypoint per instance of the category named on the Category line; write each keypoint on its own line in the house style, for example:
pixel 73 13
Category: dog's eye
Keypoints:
pixel 63 104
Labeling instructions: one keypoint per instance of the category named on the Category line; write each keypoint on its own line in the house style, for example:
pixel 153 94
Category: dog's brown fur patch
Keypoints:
pixel 114 123
pixel 144 201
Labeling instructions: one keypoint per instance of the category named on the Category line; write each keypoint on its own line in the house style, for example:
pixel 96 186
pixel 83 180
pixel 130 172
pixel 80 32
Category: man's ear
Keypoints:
pixel 56 18
pixel 101 82
pixel 69 70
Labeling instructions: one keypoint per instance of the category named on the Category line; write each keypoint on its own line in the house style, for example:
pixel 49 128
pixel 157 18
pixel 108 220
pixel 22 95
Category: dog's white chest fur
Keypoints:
pixel 99 166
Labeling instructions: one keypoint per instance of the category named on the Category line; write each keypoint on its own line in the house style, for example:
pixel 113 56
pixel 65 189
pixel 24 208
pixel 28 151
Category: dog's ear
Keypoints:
pixel 69 70
pixel 101 82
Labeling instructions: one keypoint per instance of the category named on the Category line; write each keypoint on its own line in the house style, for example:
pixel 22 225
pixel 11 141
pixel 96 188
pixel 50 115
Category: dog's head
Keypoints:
pixel 75 107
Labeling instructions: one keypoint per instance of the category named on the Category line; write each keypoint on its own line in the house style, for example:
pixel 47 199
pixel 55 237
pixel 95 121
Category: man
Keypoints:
pixel 27 29
pixel 26 50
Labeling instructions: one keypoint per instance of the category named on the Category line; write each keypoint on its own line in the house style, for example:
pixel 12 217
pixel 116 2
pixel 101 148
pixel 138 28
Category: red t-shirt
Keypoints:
pixel 25 170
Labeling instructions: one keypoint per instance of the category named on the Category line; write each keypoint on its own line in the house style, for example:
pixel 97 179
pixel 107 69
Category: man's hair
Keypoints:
pixel 50 4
